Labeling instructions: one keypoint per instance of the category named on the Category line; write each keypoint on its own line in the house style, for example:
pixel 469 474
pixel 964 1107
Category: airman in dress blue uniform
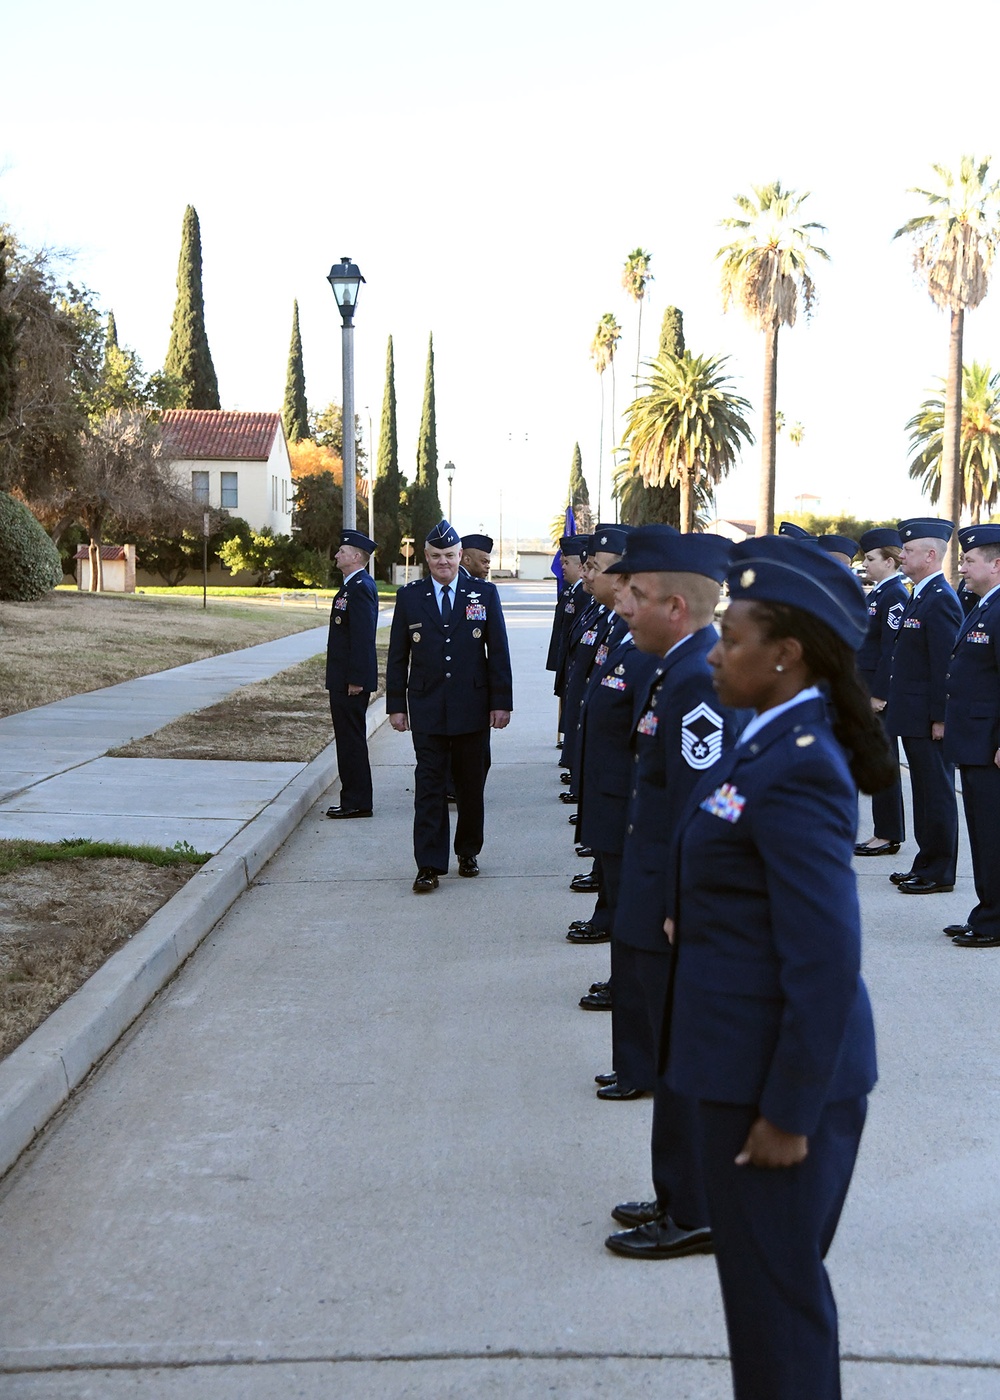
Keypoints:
pixel 886 605
pixel 448 680
pixel 352 672
pixel 917 691
pixel 770 1027
pixel 972 727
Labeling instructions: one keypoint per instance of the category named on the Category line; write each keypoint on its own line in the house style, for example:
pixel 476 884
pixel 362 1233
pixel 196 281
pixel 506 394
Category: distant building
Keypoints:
pixel 233 460
pixel 735 530
pixel 117 568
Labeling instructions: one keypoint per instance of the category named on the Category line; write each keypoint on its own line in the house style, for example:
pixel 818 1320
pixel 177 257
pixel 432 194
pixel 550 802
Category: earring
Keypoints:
pixel 779 668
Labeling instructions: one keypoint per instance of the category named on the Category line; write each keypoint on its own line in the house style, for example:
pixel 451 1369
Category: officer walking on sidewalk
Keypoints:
pixel 352 672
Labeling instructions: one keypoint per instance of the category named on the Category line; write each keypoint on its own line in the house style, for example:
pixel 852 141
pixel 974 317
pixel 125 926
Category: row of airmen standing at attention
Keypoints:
pixel 751 1025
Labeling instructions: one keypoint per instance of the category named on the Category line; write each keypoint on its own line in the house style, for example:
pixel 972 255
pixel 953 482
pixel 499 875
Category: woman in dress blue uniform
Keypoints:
pixel 886 602
pixel 771 1028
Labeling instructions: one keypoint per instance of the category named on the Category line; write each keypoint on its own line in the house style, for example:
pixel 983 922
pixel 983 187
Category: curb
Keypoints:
pixel 38 1077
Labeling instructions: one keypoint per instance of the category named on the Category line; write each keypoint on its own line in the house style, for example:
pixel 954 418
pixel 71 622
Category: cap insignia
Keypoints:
pixel 747 578
pixel 804 740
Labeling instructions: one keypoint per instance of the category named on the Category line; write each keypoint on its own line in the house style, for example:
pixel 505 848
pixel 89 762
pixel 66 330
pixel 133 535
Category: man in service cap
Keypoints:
pixel 916 708
pixel 448 681
pixel 352 672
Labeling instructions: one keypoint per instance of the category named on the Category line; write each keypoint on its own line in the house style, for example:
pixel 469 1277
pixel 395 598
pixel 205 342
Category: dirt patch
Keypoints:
pixel 58 924
pixel 285 719
pixel 68 643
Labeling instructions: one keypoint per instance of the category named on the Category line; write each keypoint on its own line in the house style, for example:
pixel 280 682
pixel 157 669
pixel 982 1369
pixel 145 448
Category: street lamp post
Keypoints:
pixel 371 490
pixel 345 279
pixel 449 471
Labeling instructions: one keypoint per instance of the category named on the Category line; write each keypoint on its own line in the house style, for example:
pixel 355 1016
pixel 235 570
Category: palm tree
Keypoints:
pixel 766 271
pixel 688 427
pixel 636 277
pixel 979 477
pixel 955 244
pixel 602 352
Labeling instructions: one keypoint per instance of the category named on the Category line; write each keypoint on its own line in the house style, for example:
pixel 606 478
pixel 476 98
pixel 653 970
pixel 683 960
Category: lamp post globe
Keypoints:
pixel 345 279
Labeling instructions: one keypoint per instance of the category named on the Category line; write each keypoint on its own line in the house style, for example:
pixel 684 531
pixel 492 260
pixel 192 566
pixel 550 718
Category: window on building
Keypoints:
pixel 199 488
pixel 285 507
pixel 230 490
pixel 274 493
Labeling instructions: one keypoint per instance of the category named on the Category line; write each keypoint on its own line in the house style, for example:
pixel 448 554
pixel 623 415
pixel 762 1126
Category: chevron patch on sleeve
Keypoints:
pixel 701 737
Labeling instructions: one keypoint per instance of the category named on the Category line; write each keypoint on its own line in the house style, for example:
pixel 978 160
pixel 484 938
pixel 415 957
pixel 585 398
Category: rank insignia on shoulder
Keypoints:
pixel 725 802
pixel 701 737
pixel 804 740
pixel 647 725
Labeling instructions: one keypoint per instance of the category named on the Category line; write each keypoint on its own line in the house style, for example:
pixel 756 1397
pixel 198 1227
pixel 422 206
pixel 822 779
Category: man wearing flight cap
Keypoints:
pixel 352 671
pixel 972 728
pixel 476 551
pixel 571 600
pixel 916 708
pixel 840 547
pixel 448 681
pixel 882 550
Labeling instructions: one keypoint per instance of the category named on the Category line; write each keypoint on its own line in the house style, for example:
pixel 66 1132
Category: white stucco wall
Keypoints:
pixel 264 489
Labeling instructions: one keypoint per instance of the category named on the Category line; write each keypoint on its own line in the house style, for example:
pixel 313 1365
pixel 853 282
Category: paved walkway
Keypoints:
pixel 353 1149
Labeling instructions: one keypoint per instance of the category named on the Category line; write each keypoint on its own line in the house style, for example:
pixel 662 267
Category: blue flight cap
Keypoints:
pixel 610 539
pixel 796 573
pixel 879 539
pixel 975 535
pixel 443 536
pixel 660 549
pixel 575 545
pixel 358 540
pixel 838 544
pixel 924 527
pixel 482 542
pixel 794 532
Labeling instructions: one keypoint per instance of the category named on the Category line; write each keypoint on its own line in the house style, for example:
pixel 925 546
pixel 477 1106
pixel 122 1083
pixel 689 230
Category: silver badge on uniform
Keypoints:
pixel 701 737
pixel 477 631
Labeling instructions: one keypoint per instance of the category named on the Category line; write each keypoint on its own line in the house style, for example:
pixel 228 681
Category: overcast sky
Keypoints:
pixel 489 167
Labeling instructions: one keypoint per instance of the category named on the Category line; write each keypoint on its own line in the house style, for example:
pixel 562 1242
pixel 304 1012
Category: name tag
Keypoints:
pixel 601 655
pixel 340 604
pixel 647 725
pixel 981 637
pixel 589 637
pixel 913 622
pixel 614 683
pixel 476 612
pixel 725 802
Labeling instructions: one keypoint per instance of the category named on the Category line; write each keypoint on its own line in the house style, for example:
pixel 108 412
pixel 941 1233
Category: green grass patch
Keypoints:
pixel 293 595
pixel 17 855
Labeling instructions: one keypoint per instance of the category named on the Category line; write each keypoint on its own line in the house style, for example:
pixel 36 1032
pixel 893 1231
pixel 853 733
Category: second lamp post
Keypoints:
pixel 345 279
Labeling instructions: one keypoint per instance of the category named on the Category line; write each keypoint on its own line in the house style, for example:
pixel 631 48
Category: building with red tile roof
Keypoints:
pixel 233 460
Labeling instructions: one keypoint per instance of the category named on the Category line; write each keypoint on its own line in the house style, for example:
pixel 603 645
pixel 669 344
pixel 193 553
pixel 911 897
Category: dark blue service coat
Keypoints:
pixel 886 604
pixel 350 648
pixel 606 754
pixel 447 680
pixel 917 689
pixel 972 717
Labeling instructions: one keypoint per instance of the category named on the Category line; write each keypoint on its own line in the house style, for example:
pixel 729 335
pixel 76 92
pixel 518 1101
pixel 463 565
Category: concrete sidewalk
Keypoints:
pixel 354 1150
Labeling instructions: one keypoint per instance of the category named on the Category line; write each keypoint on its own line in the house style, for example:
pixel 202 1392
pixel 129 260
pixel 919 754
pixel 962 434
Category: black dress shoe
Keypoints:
pixel 617 1093
pixel 596 1001
pixel 610 1078
pixel 342 813
pixel 588 935
pixel 581 923
pixel 568 797
pixel 468 866
pixel 890 848
pixel 584 851
pixel 661 1239
pixel 600 987
pixel 574 817
pixel 952 929
pixel 918 885
pixel 565 778
pixel 427 880
pixel 976 940
pixel 634 1213
pixel 898 876
pixel 585 884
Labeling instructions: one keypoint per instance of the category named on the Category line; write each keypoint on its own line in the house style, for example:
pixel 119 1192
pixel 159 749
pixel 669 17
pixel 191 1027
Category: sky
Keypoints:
pixel 489 168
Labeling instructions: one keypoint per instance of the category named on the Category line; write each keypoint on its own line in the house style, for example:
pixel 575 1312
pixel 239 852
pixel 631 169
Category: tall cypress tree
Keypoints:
pixel 189 360
pixel 388 481
pixel 110 335
pixel 294 410
pixel 8 342
pixel 578 495
pixel 425 507
pixel 672 332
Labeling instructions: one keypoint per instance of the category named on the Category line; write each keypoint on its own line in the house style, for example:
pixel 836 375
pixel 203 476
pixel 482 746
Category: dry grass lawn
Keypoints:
pixel 285 719
pixel 68 643
pixel 59 922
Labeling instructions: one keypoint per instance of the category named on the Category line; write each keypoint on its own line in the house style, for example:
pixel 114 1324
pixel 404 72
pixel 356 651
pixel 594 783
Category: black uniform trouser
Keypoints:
pixel 935 810
pixel 772 1228
pixel 349 714
pixel 981 800
pixel 633 1049
pixel 430 799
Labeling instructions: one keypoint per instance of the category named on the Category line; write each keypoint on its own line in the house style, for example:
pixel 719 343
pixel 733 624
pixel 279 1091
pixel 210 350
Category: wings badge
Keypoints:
pixel 701 737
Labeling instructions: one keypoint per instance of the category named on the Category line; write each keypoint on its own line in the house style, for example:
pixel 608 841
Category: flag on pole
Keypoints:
pixel 557 568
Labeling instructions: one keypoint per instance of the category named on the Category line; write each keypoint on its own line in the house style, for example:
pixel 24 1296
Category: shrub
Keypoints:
pixel 29 562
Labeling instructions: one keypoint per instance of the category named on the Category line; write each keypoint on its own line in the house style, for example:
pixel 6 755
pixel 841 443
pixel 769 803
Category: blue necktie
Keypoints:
pixel 446 604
